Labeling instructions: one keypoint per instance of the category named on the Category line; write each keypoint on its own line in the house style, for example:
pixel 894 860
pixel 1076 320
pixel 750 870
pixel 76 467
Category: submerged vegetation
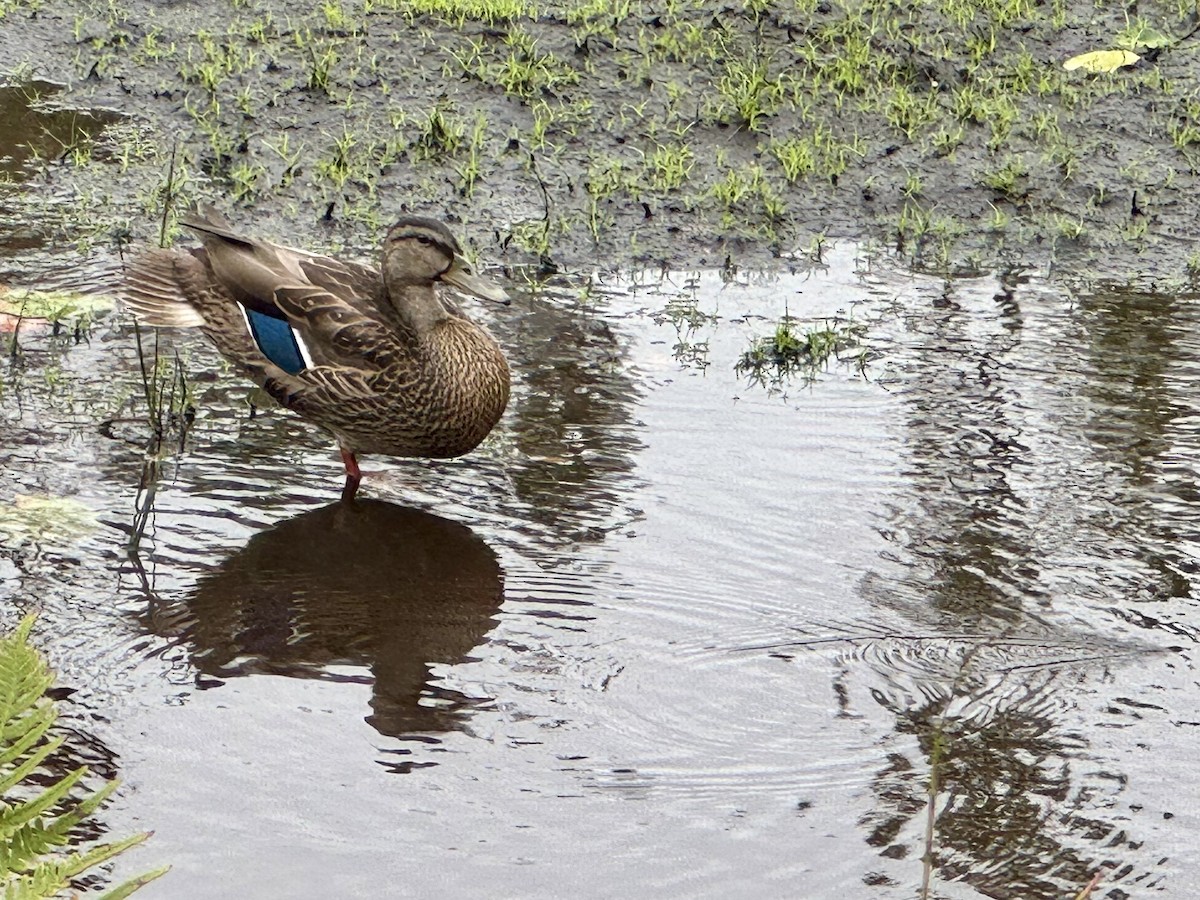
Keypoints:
pixel 65 312
pixel 44 810
pixel 951 129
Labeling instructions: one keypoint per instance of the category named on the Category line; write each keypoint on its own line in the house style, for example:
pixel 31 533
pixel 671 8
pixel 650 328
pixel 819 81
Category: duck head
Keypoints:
pixel 419 252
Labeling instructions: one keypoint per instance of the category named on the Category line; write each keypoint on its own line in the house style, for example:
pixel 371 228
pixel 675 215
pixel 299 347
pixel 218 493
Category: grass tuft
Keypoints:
pixel 792 351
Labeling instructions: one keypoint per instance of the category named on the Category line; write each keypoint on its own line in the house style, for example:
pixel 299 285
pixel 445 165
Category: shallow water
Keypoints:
pixel 667 633
pixel 37 129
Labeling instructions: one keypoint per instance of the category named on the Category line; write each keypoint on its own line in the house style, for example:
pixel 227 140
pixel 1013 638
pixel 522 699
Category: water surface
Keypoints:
pixel 668 633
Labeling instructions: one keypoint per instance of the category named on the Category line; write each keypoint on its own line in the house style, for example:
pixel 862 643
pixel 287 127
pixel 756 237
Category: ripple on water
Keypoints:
pixel 738 540
pixel 706 622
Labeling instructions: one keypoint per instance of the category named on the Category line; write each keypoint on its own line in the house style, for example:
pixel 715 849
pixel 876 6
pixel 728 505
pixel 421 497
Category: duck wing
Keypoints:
pixel 311 327
pixel 338 331
pixel 357 284
pixel 251 270
pixel 344 350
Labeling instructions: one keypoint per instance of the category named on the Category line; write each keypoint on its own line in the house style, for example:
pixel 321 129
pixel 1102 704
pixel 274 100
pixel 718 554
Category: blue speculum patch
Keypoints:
pixel 277 341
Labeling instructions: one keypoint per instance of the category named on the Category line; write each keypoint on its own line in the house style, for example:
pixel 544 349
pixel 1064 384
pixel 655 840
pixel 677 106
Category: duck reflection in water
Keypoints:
pixel 367 583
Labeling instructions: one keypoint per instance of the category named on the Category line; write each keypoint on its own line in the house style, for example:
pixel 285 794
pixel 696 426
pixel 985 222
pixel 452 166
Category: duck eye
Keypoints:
pixel 423 239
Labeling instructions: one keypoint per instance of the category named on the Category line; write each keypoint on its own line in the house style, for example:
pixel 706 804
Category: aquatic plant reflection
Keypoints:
pixel 1029 428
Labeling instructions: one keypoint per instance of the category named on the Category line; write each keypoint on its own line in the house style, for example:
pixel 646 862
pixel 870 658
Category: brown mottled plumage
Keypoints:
pixel 381 359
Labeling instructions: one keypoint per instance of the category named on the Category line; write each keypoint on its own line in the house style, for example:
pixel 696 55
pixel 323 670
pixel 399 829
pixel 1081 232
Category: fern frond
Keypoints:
pixel 51 876
pixel 27 845
pixel 121 891
pixel 18 774
pixel 24 679
pixel 36 839
pixel 68 820
pixel 29 838
pixel 78 863
pixel 23 684
pixel 37 724
pixel 16 815
pixel 24 628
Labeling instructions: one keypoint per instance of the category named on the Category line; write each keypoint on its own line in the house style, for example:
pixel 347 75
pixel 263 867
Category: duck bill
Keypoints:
pixel 460 277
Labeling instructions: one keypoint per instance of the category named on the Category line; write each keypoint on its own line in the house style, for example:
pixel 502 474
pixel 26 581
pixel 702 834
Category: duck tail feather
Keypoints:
pixel 154 291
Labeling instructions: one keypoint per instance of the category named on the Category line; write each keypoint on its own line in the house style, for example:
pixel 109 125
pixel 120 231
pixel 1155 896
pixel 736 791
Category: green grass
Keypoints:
pixel 669 165
pixel 440 134
pixel 322 61
pixel 818 152
pixel 794 351
pixel 1007 178
pixel 24 7
pixel 753 93
pixel 471 169
pixel 342 161
pixel 459 12
pixel 516 64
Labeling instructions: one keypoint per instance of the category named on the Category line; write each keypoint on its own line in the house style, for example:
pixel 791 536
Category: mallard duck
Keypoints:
pixel 384 360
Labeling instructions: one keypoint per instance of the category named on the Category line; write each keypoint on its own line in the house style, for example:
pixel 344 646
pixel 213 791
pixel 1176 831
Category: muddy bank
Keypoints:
pixel 691 134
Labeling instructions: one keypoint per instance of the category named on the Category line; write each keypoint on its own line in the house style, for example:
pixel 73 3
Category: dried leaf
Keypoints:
pixel 1099 61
